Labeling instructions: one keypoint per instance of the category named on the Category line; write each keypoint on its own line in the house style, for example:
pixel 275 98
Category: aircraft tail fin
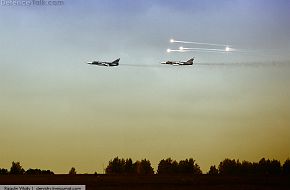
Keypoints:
pixel 116 61
pixel 190 60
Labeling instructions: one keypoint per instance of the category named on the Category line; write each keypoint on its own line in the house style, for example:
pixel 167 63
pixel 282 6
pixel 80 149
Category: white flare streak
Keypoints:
pixel 199 43
pixel 208 49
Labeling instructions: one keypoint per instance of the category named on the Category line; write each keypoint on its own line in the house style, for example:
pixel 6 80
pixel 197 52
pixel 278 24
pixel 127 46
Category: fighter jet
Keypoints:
pixel 107 64
pixel 189 62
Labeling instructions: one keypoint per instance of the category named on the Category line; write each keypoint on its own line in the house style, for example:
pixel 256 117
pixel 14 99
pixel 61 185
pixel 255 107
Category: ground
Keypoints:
pixel 107 182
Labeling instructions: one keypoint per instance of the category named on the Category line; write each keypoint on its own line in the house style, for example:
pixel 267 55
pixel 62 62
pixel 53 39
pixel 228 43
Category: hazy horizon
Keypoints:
pixel 58 112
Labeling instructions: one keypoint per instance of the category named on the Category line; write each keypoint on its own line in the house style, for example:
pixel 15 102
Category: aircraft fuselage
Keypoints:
pixel 107 64
pixel 189 62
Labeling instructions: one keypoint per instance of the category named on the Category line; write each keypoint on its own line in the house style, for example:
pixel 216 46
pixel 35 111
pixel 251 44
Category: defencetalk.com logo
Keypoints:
pixel 9 3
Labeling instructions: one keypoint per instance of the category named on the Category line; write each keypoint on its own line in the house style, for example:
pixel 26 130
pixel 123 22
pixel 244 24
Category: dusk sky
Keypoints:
pixel 56 112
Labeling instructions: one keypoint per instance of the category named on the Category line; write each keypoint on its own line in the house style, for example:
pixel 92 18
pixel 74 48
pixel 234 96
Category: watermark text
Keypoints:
pixel 27 3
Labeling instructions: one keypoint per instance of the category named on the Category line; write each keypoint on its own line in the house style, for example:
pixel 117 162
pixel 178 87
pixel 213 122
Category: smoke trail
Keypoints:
pixel 198 43
pixel 227 49
pixel 198 50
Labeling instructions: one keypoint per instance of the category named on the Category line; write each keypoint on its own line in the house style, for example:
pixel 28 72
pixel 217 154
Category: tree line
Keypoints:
pixel 121 166
pixel 263 167
pixel 16 169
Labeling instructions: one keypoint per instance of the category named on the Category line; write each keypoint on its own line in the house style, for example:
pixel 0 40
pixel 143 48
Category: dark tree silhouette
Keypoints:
pixel 246 168
pixel 213 170
pixel 38 172
pixel 16 169
pixel 228 167
pixel 269 167
pixel 72 171
pixel 188 166
pixel 116 166
pixel 233 167
pixel 129 167
pixel 122 166
pixel 143 167
pixel 47 172
pixel 170 166
pixel 286 167
pixel 167 166
pixel 275 167
pixel 263 167
pixel 3 171
pixel 33 171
